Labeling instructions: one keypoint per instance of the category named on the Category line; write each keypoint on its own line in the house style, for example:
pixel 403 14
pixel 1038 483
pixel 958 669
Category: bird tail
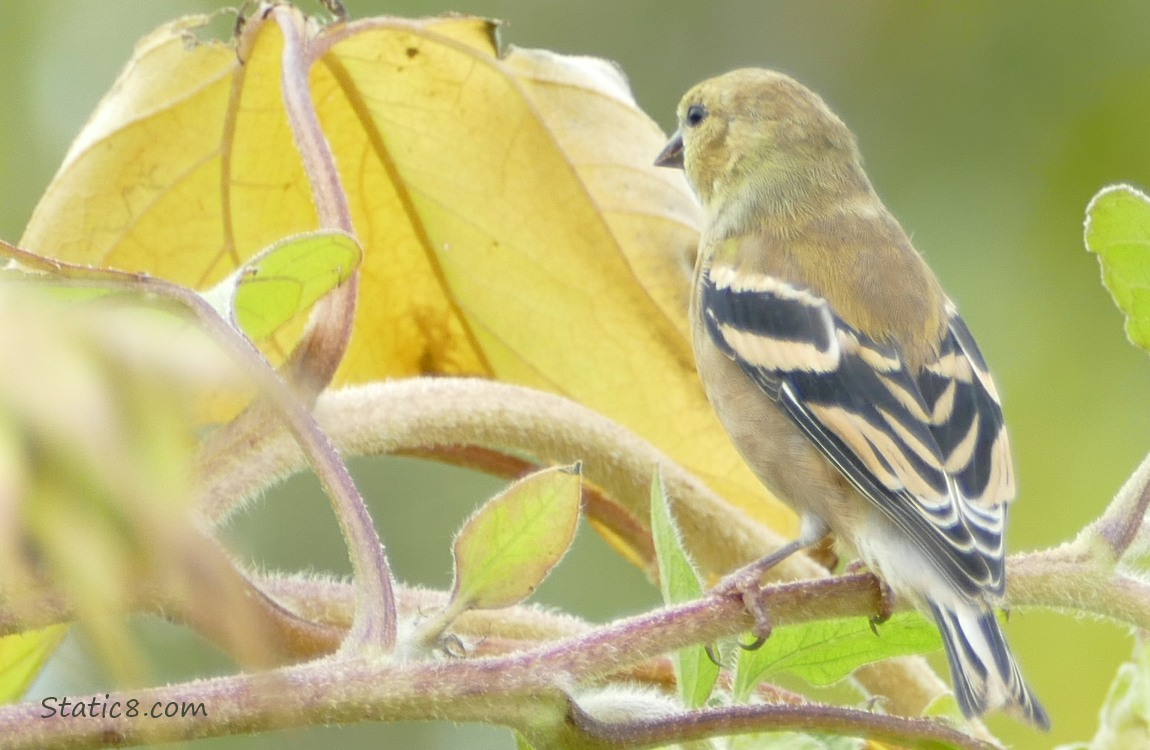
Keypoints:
pixel 984 672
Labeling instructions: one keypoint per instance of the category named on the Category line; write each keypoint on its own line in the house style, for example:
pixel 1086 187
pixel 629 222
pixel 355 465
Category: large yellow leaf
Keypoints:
pixel 512 222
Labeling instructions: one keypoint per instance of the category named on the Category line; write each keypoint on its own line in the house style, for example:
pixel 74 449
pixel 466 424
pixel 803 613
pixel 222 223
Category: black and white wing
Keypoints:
pixel 929 448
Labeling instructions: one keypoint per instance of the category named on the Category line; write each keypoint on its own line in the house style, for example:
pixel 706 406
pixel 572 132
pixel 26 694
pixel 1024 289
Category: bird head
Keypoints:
pixel 758 130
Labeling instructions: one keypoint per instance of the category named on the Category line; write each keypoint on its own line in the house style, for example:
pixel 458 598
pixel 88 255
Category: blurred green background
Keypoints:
pixel 986 127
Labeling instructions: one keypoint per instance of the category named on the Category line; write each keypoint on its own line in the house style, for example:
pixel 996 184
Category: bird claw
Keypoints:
pixel 761 630
pixel 886 598
pixel 885 605
pixel 713 655
pixel 746 583
pixel 749 576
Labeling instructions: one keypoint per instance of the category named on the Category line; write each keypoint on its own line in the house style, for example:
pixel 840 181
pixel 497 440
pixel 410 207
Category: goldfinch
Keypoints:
pixel 840 369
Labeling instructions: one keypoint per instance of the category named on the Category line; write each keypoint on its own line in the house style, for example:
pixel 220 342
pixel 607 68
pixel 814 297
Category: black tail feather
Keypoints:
pixel 983 669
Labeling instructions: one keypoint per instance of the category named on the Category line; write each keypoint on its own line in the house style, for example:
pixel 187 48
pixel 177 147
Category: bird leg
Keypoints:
pixel 745 582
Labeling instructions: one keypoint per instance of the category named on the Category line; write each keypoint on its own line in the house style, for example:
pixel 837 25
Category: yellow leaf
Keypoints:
pixel 512 222
pixel 529 182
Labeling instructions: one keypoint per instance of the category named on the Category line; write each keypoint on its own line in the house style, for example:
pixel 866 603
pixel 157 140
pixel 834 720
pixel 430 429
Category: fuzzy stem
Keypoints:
pixel 520 690
pixel 911 734
pixel 1124 517
pixel 442 415
pixel 316 357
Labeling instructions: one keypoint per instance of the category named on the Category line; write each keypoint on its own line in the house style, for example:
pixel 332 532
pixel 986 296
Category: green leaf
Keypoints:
pixel 695 673
pixel 284 280
pixel 506 549
pixel 1118 230
pixel 22 655
pixel 824 652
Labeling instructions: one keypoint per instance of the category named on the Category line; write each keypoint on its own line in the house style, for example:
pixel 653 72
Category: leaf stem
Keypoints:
pixel 375 621
pixel 315 359
pixel 319 162
pixel 443 415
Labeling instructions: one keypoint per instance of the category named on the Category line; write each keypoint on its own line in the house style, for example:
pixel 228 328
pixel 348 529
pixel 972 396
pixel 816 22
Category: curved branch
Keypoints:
pixel 514 689
pixel 316 357
pixel 441 415
pixel 1063 579
pixel 1123 518
pixel 730 720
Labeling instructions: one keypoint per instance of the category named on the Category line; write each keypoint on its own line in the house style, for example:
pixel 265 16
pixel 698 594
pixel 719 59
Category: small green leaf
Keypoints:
pixel 824 652
pixel 1118 230
pixel 284 280
pixel 695 673
pixel 506 549
pixel 22 655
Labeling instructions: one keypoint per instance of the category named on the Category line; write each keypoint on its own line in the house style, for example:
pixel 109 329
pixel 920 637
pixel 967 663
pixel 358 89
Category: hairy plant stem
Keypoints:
pixel 317 356
pixel 524 690
pixel 1124 518
pixel 588 732
pixel 482 422
pixel 506 428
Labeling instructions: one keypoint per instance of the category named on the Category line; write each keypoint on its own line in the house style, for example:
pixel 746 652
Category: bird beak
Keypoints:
pixel 672 153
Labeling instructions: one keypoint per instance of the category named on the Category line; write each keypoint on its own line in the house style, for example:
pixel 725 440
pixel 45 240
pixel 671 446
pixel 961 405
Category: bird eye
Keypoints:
pixel 696 113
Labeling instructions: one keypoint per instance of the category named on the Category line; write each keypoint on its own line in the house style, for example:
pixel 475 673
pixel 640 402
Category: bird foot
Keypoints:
pixel 886 598
pixel 746 584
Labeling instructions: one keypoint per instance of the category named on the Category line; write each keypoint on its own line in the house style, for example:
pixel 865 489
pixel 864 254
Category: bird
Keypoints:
pixel 842 372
